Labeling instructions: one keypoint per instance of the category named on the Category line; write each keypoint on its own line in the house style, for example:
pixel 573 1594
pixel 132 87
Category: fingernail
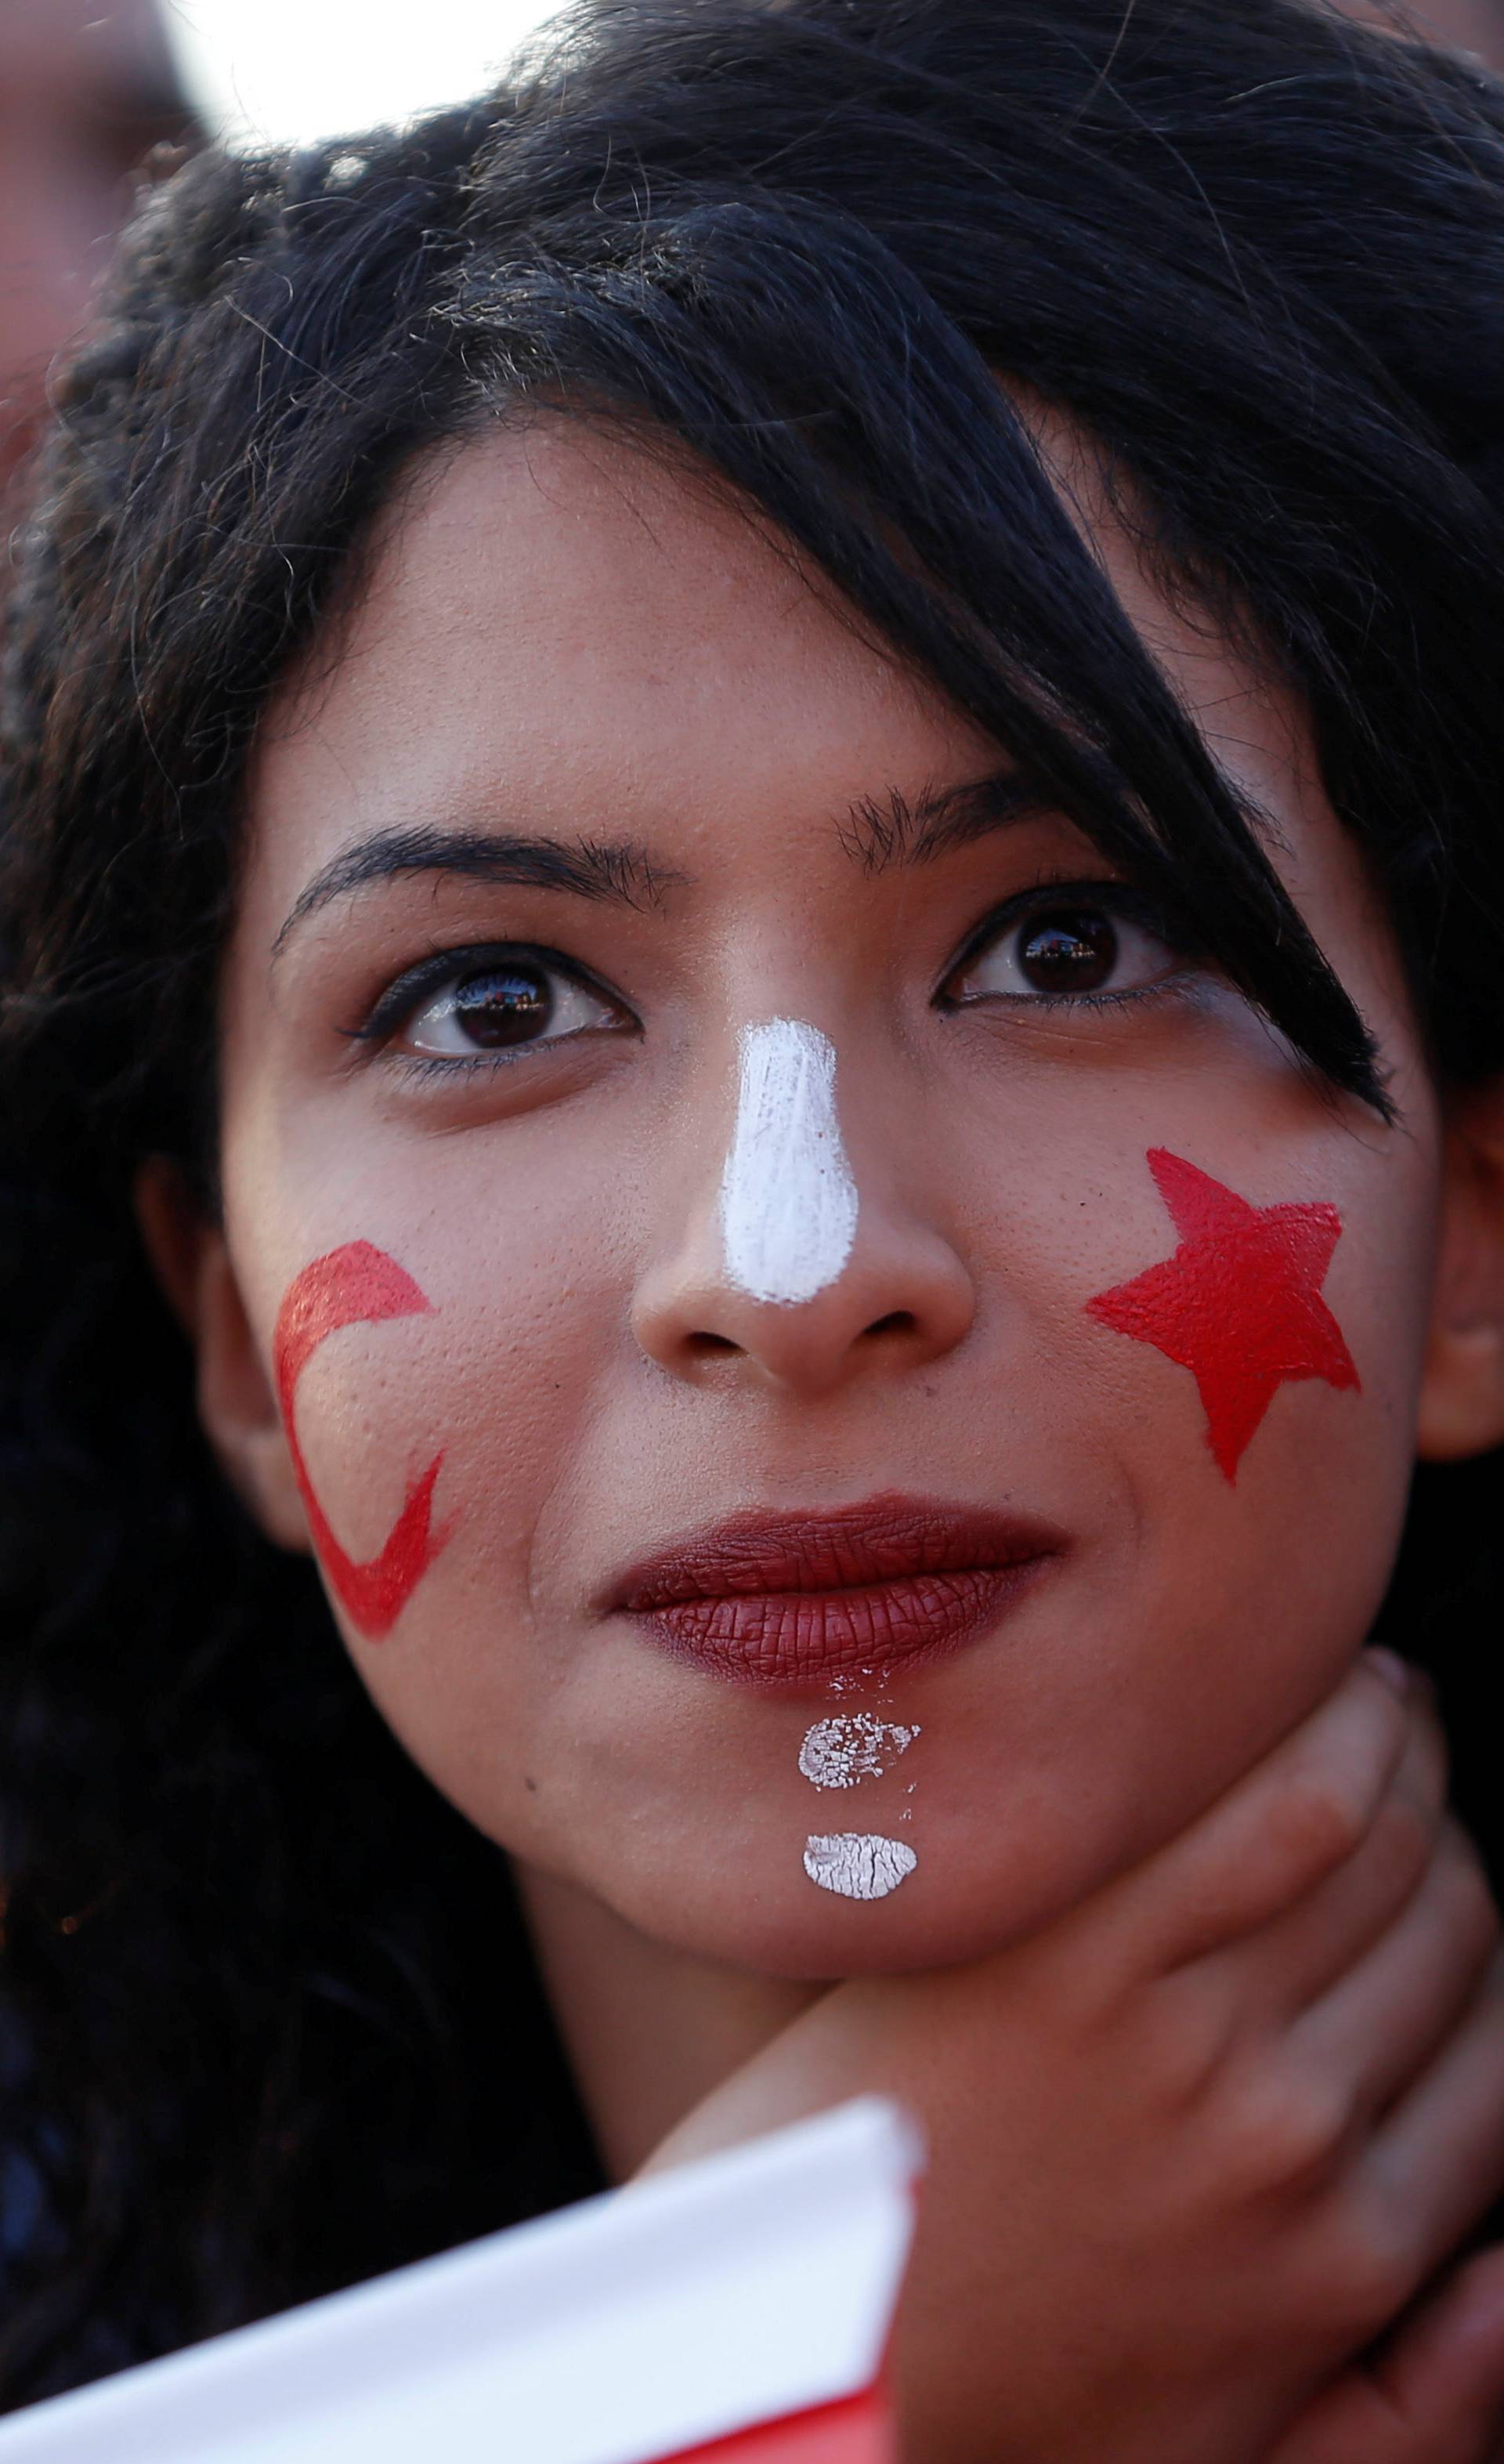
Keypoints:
pixel 1388 1665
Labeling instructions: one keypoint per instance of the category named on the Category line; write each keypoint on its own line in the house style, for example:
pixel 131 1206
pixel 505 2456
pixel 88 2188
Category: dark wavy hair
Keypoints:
pixel 267 2019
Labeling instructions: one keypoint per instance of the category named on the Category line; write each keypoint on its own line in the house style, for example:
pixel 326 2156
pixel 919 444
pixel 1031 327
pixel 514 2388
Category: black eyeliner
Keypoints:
pixel 1117 897
pixel 402 996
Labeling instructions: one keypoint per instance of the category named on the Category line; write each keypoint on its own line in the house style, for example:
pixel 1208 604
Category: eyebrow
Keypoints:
pixel 879 834
pixel 618 872
pixel 882 832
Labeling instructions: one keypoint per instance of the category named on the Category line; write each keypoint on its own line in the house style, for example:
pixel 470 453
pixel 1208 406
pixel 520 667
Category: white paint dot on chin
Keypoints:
pixel 788 1200
pixel 854 1745
pixel 858 1865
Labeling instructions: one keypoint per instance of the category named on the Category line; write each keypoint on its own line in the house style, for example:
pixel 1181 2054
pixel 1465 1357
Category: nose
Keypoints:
pixel 782 1264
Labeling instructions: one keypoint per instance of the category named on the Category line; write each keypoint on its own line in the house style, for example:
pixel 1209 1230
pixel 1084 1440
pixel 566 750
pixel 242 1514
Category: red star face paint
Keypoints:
pixel 1239 1303
pixel 356 1285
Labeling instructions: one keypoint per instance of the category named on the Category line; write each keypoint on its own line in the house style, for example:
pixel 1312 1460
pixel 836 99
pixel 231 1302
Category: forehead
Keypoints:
pixel 562 560
pixel 557 623
pixel 551 621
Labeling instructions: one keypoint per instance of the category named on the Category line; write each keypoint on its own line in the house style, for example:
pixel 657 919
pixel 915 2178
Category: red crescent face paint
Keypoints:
pixel 356 1286
pixel 1239 1303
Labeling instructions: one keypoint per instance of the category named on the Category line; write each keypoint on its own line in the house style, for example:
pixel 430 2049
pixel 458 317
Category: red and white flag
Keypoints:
pixel 731 2312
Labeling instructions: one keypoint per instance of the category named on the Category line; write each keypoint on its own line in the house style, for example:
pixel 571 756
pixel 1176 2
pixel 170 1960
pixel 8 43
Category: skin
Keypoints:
pixel 598 1387
pixel 558 1213
pixel 1205 2137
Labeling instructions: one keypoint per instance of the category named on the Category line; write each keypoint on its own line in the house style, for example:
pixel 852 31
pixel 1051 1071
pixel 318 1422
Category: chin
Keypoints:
pixel 941 1915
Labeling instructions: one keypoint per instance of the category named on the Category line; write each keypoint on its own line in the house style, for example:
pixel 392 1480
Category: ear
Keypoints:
pixel 236 1405
pixel 1462 1392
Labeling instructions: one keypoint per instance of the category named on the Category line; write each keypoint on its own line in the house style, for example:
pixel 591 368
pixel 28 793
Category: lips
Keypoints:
pixel 797 1599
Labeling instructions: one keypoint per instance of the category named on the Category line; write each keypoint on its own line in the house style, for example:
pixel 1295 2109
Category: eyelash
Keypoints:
pixel 401 998
pixel 425 1066
pixel 1117 899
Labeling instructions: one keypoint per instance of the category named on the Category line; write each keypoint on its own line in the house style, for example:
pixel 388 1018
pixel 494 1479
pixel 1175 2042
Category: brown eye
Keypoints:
pixel 1064 951
pixel 1073 952
pixel 513 1002
pixel 502 1007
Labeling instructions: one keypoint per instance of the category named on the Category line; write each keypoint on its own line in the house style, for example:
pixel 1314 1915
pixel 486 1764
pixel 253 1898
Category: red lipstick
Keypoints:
pixel 797 1599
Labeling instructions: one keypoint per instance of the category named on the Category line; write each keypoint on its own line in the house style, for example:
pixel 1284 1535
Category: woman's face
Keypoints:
pixel 896 1462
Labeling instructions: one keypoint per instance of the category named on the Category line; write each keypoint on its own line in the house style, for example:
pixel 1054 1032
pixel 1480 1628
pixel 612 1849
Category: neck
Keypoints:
pixel 650 2030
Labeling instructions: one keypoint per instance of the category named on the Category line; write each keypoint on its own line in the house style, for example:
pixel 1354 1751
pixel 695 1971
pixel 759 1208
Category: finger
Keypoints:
pixel 1311 1947
pixel 1435 2164
pixel 1386 2018
pixel 1278 1833
pixel 1434 2393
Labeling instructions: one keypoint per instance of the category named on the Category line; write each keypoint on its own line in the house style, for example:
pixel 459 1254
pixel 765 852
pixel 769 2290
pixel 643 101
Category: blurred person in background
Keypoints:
pixel 1475 26
pixel 86 92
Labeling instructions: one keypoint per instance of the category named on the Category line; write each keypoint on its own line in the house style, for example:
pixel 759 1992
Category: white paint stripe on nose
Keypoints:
pixel 788 1200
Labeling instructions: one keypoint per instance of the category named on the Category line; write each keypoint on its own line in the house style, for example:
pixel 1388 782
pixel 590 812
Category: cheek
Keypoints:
pixel 1238 1305
pixel 1206 1359
pixel 433 1399
pixel 432 1402
pixel 356 1284
pixel 1258 1375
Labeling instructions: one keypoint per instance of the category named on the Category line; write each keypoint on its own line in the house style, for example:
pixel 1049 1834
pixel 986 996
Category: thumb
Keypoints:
pixel 1431 2394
